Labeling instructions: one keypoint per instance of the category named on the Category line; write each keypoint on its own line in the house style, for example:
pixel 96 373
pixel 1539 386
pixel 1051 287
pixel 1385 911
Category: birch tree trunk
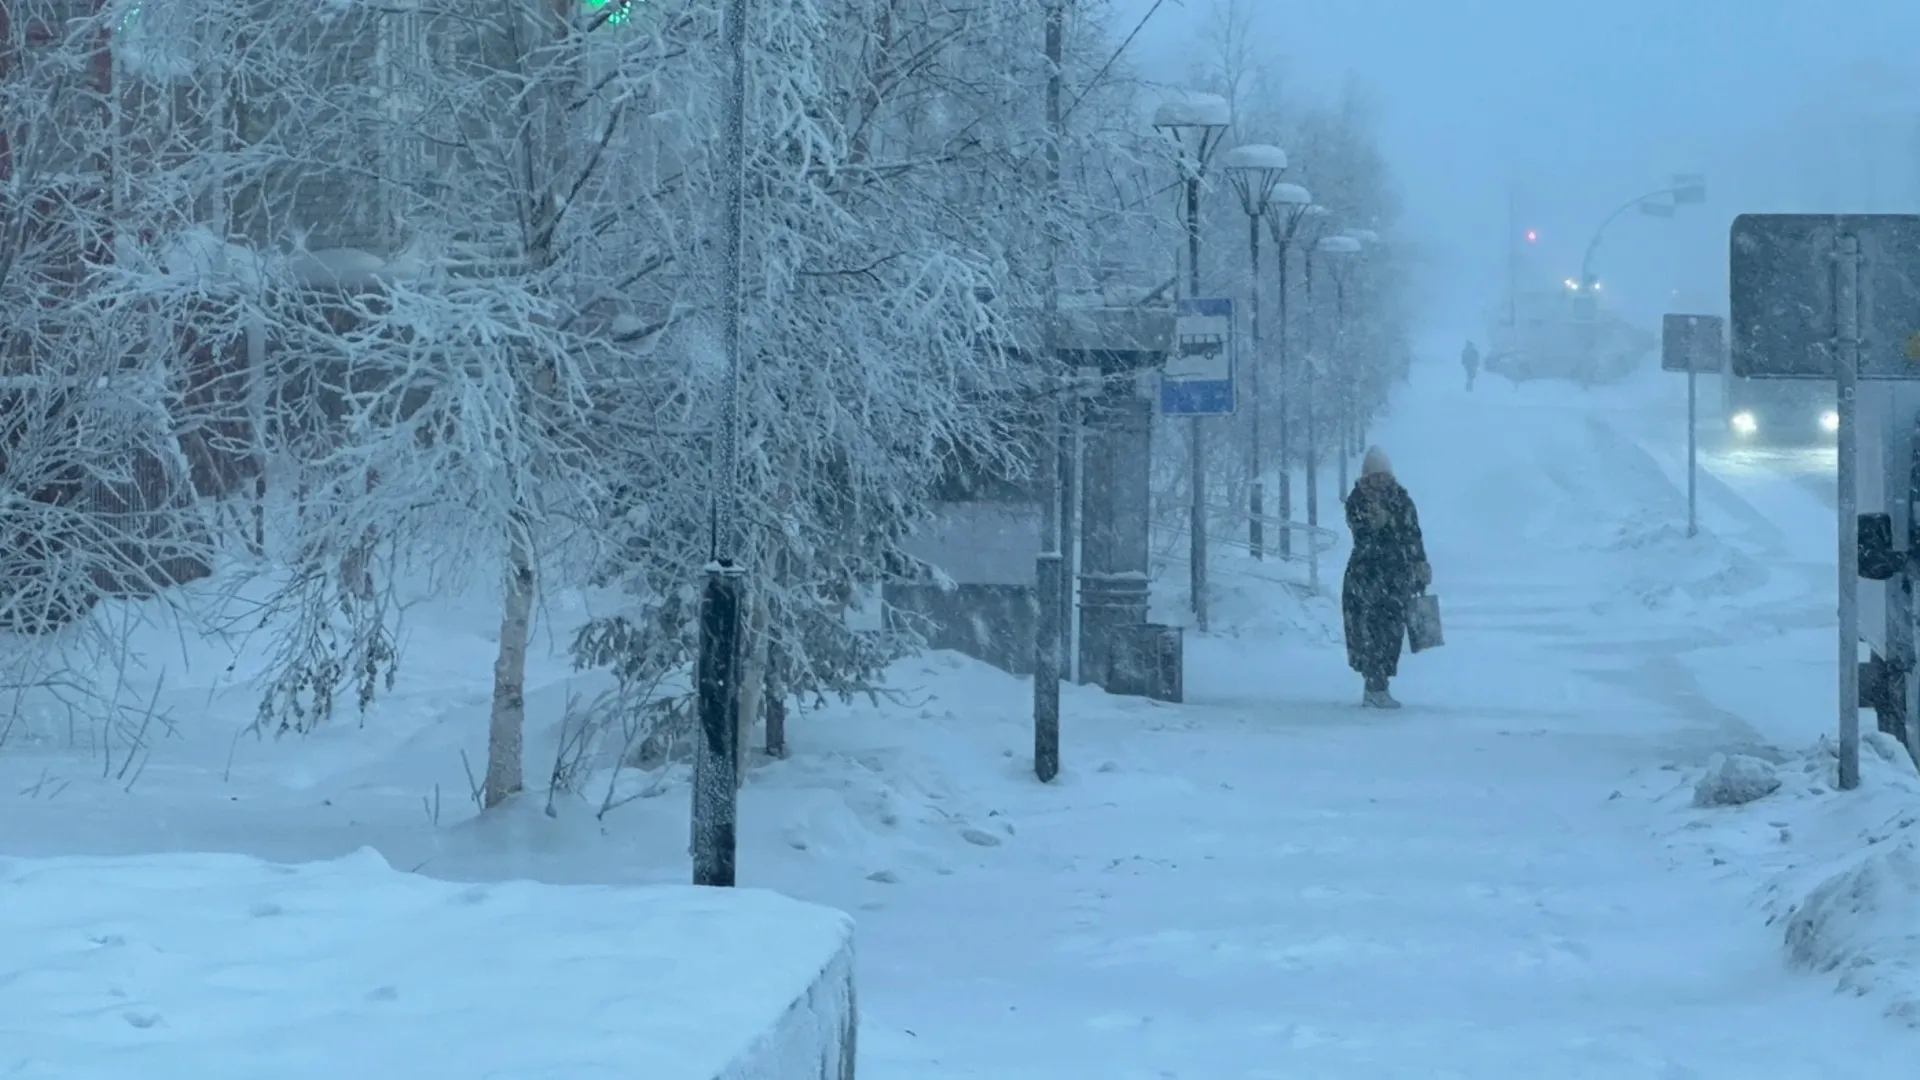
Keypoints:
pixel 506 727
pixel 542 138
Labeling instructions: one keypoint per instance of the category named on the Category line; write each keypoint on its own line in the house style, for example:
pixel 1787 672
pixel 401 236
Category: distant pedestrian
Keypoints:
pixel 1387 568
pixel 1470 359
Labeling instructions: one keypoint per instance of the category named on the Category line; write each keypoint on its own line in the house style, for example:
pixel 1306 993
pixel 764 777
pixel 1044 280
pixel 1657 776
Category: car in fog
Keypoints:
pixel 1779 412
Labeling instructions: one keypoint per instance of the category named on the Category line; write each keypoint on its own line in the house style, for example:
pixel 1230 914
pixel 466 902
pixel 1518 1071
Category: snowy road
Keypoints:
pixel 1811 468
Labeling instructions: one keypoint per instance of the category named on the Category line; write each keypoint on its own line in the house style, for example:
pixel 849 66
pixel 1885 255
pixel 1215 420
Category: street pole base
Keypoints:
pixel 1286 509
pixel 1256 527
pixel 1050 583
pixel 716 796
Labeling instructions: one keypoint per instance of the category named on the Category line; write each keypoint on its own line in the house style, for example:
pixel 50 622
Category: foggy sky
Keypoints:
pixel 1582 106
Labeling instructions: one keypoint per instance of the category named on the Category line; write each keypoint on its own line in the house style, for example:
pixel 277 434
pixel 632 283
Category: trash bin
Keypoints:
pixel 1148 660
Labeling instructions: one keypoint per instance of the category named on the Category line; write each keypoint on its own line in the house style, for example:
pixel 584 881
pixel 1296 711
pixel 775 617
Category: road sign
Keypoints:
pixel 1198 377
pixel 1782 276
pixel 1692 342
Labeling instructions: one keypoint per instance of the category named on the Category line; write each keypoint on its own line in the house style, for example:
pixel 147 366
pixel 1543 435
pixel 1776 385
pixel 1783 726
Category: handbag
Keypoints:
pixel 1423 623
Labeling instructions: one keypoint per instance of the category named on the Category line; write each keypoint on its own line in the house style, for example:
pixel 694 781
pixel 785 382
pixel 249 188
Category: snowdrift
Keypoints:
pixel 1836 873
pixel 217 966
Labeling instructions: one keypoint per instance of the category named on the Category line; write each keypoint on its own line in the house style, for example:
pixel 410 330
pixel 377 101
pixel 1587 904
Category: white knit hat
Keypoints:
pixel 1376 462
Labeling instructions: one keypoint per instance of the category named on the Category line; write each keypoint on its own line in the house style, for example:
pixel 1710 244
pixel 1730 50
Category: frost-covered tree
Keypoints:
pixel 430 286
pixel 898 187
pixel 392 231
pixel 95 485
pixel 1340 155
pixel 476 253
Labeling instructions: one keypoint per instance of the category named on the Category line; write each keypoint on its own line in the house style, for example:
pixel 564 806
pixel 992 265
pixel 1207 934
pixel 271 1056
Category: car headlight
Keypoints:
pixel 1830 420
pixel 1744 423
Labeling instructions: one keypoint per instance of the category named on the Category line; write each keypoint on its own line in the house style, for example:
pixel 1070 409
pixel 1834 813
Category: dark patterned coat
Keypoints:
pixel 1387 567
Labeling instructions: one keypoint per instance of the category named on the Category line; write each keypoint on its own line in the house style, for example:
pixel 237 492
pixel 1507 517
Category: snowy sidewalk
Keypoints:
pixel 1270 882
pixel 1264 882
pixel 1314 895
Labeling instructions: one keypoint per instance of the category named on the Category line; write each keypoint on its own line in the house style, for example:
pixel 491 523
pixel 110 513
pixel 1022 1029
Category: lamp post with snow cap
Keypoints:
pixel 1195 124
pixel 1342 251
pixel 1254 171
pixel 1291 204
pixel 1372 364
pixel 1318 227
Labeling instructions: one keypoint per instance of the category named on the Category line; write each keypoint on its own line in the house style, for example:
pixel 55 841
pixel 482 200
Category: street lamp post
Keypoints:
pixel 1051 591
pixel 1255 171
pixel 1685 189
pixel 1682 189
pixel 1319 223
pixel 1196 124
pixel 716 764
pixel 1341 251
pixel 1373 367
pixel 1290 206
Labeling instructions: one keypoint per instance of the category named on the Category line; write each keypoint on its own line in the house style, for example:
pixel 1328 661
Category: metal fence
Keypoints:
pixel 1227 526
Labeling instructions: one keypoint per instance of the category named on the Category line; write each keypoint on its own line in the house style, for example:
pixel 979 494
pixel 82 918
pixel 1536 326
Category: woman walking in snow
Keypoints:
pixel 1387 568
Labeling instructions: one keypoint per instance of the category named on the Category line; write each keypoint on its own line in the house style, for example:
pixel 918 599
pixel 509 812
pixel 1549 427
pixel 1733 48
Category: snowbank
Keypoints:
pixel 1837 873
pixel 217 966
pixel 1735 780
pixel 1666 571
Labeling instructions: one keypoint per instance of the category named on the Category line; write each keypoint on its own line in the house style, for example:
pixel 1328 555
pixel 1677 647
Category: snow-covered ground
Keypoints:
pixel 1265 881
pixel 1836 875
pixel 220 966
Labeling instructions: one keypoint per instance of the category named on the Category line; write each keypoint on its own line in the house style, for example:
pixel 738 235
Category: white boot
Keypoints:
pixel 1379 699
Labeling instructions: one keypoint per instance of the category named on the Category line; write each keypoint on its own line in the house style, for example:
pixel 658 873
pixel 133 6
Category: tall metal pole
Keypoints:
pixel 716 796
pixel 1693 446
pixel 1072 513
pixel 1513 260
pixel 1846 298
pixel 1286 392
pixel 1341 375
pixel 1256 487
pixel 1049 578
pixel 1306 397
pixel 1197 513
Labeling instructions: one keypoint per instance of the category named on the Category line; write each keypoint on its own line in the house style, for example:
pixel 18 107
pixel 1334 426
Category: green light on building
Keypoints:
pixel 621 10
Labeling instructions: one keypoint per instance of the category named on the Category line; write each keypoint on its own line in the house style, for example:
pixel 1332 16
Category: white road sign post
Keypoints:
pixel 1693 344
pixel 1197 382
